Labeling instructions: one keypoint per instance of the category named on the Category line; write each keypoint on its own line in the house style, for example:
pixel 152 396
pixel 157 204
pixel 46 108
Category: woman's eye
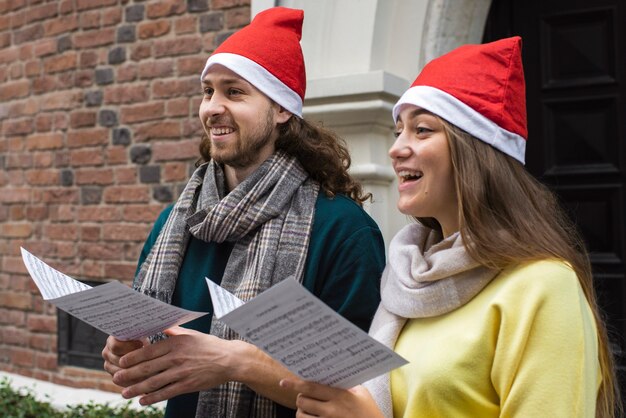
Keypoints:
pixel 233 92
pixel 208 91
pixel 422 130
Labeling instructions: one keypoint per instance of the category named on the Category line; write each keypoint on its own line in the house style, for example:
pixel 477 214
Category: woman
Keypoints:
pixel 489 296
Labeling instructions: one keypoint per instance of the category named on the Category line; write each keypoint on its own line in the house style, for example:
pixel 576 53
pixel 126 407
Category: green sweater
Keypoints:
pixel 344 263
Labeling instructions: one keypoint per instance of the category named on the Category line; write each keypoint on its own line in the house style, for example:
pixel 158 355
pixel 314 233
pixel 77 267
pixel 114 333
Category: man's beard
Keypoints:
pixel 245 150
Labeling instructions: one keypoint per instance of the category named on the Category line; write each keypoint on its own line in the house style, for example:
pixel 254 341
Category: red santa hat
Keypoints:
pixel 480 89
pixel 267 54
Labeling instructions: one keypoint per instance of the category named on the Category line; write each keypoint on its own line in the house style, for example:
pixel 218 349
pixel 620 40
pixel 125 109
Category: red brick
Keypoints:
pixel 175 150
pixel 156 69
pixel 15 195
pixel 32 68
pixel 126 175
pixel 16 230
pixel 164 89
pixel 138 52
pixel 67 61
pixel 14 336
pixel 60 25
pixel 83 78
pixel 116 155
pixel 93 4
pixel 65 249
pixel 46 361
pixel 98 214
pixel 136 93
pixel 127 194
pixel 90 233
pixel 175 171
pixel 126 73
pixel 90 20
pixel 108 251
pixel 101 177
pixel 120 271
pixel 42 12
pixel 237 18
pixel 165 8
pixel 44 141
pixel 28 34
pixel 225 4
pixel 44 84
pixel 190 66
pixel 141 213
pixel 81 119
pixel 87 137
pixel 17 127
pixel 9 55
pixel 15 300
pixel 14 89
pixel 45 47
pixel 61 232
pixel 17 213
pixel 153 29
pixel 18 161
pixel 59 195
pixel 88 59
pixel 43 159
pixel 62 100
pixel 16 70
pixel 12 317
pixel 40 342
pixel 18 20
pixel 181 45
pixel 86 157
pixel 27 107
pixel 125 232
pixel 42 323
pixel 5 40
pixel 186 24
pixel 23 357
pixel 36 213
pixel 158 130
pixel 142 112
pixel 93 38
pixel 5 22
pixel 177 107
pixel 63 213
pixel 43 177
pixel 66 6
pixel 112 16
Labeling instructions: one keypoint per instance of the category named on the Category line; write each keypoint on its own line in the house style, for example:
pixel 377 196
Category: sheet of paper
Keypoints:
pixel 113 308
pixel 309 338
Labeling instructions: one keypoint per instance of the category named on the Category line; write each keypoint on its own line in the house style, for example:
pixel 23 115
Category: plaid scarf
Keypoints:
pixel 425 276
pixel 269 217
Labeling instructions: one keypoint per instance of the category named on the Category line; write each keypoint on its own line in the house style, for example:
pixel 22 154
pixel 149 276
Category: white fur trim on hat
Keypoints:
pixel 260 78
pixel 459 114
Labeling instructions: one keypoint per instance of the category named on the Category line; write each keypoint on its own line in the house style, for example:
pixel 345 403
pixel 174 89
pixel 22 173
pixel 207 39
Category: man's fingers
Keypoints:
pixel 119 348
pixel 146 353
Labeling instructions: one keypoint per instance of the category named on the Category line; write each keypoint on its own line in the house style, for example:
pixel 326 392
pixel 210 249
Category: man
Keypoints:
pixel 272 199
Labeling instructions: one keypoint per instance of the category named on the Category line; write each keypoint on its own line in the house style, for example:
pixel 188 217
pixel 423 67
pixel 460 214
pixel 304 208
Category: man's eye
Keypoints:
pixel 208 91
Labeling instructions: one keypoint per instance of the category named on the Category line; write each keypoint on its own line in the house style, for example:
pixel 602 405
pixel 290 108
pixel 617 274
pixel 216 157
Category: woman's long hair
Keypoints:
pixel 510 217
pixel 321 152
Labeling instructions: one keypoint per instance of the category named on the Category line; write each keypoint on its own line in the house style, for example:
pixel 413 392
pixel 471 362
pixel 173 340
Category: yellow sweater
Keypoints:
pixel 525 346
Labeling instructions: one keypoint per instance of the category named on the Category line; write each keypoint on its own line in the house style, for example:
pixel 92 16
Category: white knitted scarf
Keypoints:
pixel 425 276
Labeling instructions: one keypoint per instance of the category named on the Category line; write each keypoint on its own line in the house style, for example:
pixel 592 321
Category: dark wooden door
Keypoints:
pixel 574 54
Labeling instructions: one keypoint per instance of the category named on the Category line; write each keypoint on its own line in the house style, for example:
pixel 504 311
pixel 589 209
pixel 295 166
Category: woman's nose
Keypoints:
pixel 399 149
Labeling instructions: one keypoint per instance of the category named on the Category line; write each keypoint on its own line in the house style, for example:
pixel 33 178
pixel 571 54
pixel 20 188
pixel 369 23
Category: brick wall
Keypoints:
pixel 99 131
